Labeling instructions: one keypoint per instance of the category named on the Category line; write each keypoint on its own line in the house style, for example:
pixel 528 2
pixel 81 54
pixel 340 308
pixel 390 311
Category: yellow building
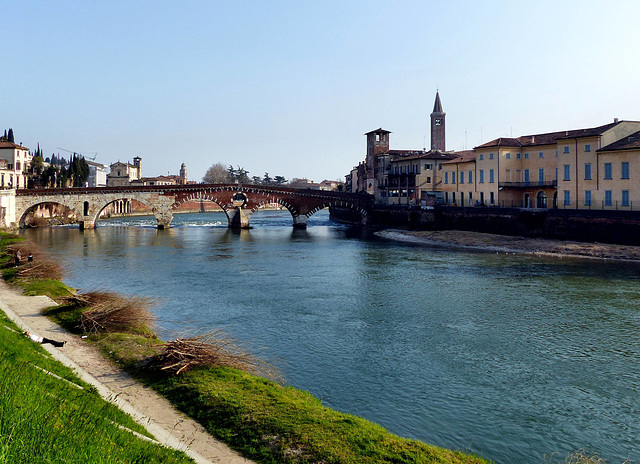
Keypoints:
pixel 567 169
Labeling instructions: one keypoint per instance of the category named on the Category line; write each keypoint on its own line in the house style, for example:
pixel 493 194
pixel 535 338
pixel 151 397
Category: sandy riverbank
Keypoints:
pixel 510 244
pixel 166 424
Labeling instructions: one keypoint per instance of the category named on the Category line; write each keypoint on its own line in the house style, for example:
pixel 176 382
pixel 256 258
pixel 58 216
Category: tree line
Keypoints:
pixel 221 174
pixel 55 171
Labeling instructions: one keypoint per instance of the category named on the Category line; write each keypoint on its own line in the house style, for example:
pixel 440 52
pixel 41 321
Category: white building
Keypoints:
pixel 15 162
pixel 97 174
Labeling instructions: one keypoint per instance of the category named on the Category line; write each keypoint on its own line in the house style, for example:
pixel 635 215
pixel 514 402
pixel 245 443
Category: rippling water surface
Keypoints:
pixel 513 357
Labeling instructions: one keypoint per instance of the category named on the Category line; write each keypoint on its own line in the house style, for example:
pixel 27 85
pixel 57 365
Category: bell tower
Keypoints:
pixel 438 141
pixel 377 143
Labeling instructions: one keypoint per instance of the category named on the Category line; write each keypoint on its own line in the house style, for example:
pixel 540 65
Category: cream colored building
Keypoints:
pixel 123 174
pixel 15 162
pixel 585 168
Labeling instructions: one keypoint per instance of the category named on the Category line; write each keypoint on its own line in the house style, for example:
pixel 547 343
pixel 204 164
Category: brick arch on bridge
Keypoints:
pixel 87 208
pixel 301 206
pixel 23 209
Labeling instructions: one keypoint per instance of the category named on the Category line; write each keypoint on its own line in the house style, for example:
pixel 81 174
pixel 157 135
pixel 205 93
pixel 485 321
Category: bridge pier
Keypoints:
pixel 86 224
pixel 239 218
pixel 300 222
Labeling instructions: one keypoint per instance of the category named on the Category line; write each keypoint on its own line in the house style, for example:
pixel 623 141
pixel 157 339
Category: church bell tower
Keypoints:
pixel 437 126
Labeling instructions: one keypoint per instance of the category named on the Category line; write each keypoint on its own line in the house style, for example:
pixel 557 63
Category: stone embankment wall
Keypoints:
pixel 621 227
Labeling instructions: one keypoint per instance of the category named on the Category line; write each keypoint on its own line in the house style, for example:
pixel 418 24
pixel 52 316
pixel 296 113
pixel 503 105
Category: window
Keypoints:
pixel 470 198
pixel 481 176
pixel 567 197
pixel 608 198
pixel 491 179
pixel 446 177
pixel 492 198
pixel 556 174
pixel 453 179
pixel 567 172
pixel 490 156
pixel 526 156
pixel 428 180
pixel 587 197
pixel 541 154
pixel 625 198
pixel 507 156
pixel 18 165
pixel 518 156
pixel 453 197
pixel 587 171
pixel 566 150
pixel 556 153
pixel 607 171
pixel 428 166
pixel 470 177
pixel 481 156
pixel 625 170
pixel 462 177
pixel 541 176
pixel 587 147
pixel 446 197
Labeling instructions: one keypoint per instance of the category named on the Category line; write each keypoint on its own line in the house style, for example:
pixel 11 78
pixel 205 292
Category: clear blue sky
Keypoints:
pixel 291 87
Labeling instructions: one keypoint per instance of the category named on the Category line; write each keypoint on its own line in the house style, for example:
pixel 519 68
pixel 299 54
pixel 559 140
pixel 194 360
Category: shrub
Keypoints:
pixel 211 349
pixel 41 267
pixel 110 312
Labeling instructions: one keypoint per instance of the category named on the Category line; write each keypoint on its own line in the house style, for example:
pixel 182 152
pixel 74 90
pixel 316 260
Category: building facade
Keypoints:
pixel 575 169
pixel 15 164
pixel 122 174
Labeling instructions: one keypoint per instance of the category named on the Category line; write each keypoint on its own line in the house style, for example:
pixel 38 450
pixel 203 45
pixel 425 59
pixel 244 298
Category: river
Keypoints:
pixel 520 359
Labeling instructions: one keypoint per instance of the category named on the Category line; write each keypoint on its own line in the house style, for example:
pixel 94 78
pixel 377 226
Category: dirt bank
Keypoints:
pixel 511 244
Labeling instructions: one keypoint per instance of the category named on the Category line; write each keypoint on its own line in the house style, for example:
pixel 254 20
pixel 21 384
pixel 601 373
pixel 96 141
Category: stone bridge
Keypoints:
pixel 238 201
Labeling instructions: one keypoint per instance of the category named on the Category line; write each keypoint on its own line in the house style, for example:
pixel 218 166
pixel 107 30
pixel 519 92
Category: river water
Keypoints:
pixel 521 359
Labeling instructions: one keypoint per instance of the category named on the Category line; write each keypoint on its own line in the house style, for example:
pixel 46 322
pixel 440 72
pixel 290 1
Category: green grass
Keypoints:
pixel 268 422
pixel 45 419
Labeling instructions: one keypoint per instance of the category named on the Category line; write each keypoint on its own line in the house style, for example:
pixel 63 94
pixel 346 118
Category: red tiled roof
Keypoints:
pixel 548 138
pixel 630 142
pixel 6 144
pixel 462 157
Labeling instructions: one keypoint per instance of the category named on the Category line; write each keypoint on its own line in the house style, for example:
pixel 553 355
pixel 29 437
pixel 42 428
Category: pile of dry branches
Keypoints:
pixel 111 312
pixel 41 266
pixel 211 349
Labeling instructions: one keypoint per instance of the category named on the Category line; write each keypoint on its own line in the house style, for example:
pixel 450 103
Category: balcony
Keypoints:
pixel 530 184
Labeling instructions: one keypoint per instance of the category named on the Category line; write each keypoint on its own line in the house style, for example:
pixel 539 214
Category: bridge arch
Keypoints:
pixel 23 214
pixel 124 201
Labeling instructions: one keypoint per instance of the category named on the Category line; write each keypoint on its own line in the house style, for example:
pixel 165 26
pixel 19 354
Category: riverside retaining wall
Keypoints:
pixel 621 227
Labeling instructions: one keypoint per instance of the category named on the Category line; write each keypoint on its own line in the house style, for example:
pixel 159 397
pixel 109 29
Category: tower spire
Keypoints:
pixel 438 139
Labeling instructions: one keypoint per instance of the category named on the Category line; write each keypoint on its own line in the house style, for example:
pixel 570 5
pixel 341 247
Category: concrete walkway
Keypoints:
pixel 169 427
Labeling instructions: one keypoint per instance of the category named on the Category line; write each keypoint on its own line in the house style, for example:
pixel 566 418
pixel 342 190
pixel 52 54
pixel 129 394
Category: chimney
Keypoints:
pixel 615 120
pixel 533 139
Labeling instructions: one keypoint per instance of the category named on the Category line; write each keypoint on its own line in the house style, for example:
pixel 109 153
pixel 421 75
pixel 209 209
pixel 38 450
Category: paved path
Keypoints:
pixel 166 424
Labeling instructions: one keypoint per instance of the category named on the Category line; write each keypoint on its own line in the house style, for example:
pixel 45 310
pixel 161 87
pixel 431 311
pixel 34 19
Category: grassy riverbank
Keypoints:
pixel 262 419
pixel 47 414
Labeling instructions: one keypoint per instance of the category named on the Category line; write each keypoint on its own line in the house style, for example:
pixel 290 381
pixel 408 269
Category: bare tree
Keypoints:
pixel 216 174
